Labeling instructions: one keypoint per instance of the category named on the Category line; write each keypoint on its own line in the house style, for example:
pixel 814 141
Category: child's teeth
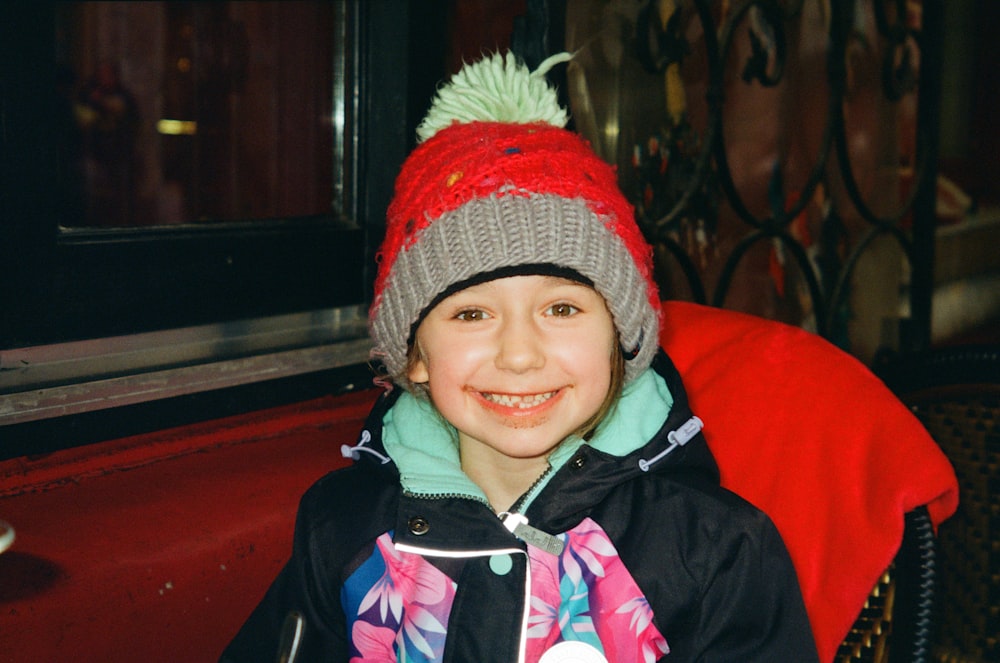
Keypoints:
pixel 522 402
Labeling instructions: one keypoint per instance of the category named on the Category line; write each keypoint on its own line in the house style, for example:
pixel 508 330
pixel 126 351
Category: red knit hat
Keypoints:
pixel 498 188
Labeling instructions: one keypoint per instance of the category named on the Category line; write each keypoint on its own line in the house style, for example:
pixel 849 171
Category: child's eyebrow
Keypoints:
pixel 562 280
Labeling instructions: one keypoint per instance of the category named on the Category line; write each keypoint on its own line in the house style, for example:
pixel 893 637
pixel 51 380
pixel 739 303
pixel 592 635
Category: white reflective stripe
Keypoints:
pixel 455 554
pixel 522 650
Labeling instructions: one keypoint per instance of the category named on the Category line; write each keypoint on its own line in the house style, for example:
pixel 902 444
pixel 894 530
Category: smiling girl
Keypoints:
pixel 532 485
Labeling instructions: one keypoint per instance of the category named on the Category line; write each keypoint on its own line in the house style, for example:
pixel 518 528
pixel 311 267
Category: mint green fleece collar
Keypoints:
pixel 425 447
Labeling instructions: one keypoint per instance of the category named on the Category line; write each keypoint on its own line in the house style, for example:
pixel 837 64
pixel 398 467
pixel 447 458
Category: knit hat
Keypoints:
pixel 497 187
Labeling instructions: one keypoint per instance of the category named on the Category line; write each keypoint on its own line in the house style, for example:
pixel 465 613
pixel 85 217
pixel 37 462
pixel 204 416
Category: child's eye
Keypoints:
pixel 563 310
pixel 472 315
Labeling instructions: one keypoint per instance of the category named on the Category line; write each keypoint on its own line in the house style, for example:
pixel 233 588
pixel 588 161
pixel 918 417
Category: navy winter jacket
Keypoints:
pixel 628 550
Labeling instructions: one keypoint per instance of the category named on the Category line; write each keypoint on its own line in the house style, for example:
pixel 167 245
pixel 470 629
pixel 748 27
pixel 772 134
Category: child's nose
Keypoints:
pixel 520 346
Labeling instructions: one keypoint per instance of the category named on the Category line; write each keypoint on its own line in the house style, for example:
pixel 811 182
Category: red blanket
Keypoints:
pixel 808 434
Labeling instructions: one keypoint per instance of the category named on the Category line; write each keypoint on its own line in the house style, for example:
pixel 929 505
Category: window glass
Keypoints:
pixel 197 112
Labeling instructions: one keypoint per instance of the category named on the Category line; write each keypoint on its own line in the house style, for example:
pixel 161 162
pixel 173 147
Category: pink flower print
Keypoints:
pixel 641 622
pixel 542 619
pixel 592 547
pixel 389 599
pixel 414 600
pixel 587 594
pixel 641 617
pixel 374 642
pixel 413 576
pixel 420 626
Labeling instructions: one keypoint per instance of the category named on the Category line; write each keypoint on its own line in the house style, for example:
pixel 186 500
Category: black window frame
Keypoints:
pixel 64 285
pixel 59 287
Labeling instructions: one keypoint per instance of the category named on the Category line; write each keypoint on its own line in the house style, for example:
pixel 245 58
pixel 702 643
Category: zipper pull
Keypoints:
pixel 517 524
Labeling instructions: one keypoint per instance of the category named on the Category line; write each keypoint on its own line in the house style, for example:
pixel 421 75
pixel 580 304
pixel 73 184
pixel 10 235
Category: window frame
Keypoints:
pixel 64 289
pixel 67 284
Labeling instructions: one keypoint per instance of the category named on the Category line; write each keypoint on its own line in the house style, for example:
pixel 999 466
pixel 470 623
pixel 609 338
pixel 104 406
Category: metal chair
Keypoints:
pixel 895 623
pixel 955 392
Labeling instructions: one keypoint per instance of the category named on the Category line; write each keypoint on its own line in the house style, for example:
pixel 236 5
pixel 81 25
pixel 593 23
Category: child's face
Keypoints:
pixel 516 364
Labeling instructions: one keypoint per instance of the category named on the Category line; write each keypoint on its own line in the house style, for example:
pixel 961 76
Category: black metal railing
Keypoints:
pixel 750 43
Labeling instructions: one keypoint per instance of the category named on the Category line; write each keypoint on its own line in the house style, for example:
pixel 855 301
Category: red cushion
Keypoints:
pixel 808 434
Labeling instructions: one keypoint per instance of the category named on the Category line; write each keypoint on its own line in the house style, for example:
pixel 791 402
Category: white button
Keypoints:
pixel 572 652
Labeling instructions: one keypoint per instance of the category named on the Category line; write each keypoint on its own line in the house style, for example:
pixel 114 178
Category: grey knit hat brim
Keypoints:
pixel 508 230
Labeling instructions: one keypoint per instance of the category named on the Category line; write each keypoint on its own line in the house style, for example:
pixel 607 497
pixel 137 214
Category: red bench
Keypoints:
pixel 156 548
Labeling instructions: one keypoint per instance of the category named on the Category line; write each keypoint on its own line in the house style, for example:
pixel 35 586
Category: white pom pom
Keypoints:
pixel 496 89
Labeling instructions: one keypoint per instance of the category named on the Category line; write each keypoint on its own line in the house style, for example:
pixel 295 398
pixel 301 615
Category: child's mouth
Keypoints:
pixel 521 402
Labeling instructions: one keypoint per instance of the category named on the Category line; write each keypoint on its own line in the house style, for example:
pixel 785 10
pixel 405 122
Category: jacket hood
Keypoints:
pixel 651 429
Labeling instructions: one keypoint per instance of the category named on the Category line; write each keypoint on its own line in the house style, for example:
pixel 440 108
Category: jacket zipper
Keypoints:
pixel 517 523
pixel 449 496
pixel 519 504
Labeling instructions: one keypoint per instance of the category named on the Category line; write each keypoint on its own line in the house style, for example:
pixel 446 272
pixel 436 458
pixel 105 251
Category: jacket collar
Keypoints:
pixel 406 436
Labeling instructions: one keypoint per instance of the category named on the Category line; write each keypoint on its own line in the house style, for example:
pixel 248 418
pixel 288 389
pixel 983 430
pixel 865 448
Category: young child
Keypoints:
pixel 532 487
